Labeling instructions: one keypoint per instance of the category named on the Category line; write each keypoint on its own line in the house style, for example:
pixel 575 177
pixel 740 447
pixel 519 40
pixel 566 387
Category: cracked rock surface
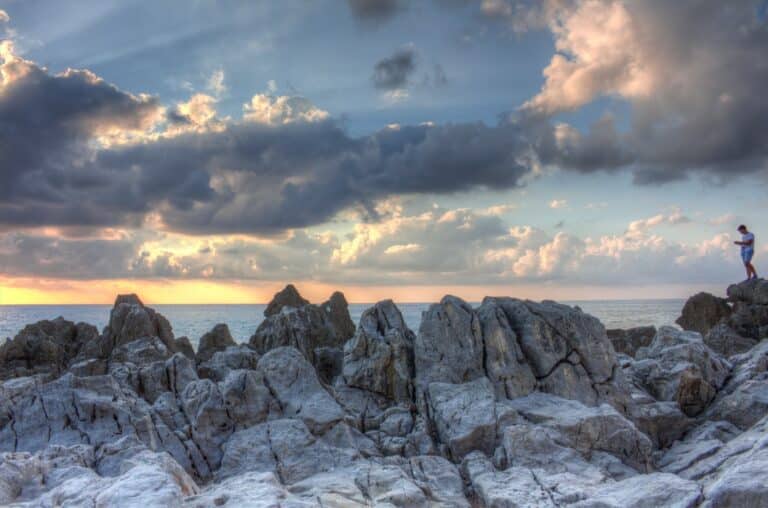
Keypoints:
pixel 508 403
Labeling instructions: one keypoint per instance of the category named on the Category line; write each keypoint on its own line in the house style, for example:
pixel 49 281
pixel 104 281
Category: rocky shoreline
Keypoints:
pixel 510 403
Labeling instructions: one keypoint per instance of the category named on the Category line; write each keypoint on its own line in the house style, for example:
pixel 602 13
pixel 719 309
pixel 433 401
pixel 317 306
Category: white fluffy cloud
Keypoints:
pixel 282 109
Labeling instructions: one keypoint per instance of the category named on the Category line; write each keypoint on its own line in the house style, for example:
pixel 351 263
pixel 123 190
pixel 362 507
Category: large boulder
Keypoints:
pixel 726 341
pixel 464 416
pixel 679 366
pixel 449 345
pixel 130 320
pixel 628 341
pixel 288 297
pixel 337 309
pixel 702 311
pixel 505 363
pixel 379 358
pixel 753 291
pixel 588 429
pixel 293 382
pixel 218 339
pixel 318 331
pixel 44 347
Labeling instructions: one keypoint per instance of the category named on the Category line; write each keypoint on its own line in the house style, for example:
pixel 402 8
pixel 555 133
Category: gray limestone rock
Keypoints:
pixel 703 311
pixel 379 358
pixel 287 297
pixel 218 339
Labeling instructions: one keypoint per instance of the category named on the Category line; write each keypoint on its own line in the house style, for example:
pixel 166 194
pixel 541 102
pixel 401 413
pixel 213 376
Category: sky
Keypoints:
pixel 211 151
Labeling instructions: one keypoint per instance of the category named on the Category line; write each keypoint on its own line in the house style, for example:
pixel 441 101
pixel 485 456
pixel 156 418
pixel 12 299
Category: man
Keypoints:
pixel 747 251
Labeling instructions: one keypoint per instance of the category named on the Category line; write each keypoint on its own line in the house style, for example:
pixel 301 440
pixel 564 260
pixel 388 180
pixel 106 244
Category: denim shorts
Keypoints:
pixel 746 255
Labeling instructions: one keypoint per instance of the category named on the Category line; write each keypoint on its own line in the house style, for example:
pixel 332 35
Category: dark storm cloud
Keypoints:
pixel 245 177
pixel 269 179
pixel 46 124
pixel 393 72
pixel 376 10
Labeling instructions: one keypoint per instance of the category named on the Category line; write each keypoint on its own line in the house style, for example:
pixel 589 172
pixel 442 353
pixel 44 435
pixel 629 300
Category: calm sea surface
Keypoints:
pixel 194 320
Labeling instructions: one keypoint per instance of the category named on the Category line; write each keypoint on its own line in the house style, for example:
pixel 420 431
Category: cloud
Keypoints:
pixel 81 152
pixel 558 203
pixel 454 246
pixel 48 126
pixel 215 82
pixel 374 10
pixel 281 110
pixel 687 69
pixel 4 18
pixel 673 218
pixel 393 72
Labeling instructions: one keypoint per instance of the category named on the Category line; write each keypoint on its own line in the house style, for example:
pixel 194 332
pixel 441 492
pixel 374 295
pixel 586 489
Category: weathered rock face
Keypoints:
pixel 44 347
pixel 725 341
pixel 319 332
pixel 630 340
pixel 449 346
pixel 337 310
pixel 751 292
pixel 288 297
pixel 512 403
pixel 379 358
pixel 218 339
pixel 679 366
pixel 702 311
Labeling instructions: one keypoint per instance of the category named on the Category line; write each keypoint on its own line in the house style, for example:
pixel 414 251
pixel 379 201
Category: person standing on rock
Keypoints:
pixel 747 250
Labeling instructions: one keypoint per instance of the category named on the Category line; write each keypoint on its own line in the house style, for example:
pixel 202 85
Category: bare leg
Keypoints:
pixel 751 270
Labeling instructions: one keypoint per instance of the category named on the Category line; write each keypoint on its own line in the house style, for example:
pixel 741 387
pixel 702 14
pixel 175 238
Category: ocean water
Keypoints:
pixel 194 320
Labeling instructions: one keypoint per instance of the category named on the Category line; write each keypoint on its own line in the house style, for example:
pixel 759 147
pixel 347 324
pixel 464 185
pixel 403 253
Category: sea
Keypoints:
pixel 193 321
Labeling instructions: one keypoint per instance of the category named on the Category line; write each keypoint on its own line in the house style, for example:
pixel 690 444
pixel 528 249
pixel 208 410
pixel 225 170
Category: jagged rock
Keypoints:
pixel 379 358
pixel 337 309
pixel 663 422
pixel 308 329
pixel 536 447
pixel 513 487
pixel 628 341
pixel 439 479
pixel 44 347
pixel 294 384
pixel 184 347
pixel 588 429
pixel 464 416
pixel 130 320
pixel 726 341
pixel 288 297
pixel 60 476
pixel 749 320
pixel 753 291
pixel 449 345
pixel 661 366
pixel 505 363
pixel 210 424
pixel 694 392
pixel 249 490
pixel 247 399
pixel 647 491
pixel 232 358
pixel 141 351
pixel 218 339
pixel 285 447
pixel 702 311
pixel 743 400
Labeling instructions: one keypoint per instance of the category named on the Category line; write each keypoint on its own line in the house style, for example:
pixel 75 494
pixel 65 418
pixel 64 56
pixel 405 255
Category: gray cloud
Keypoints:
pixel 376 10
pixel 690 71
pixel 393 72
pixel 246 176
